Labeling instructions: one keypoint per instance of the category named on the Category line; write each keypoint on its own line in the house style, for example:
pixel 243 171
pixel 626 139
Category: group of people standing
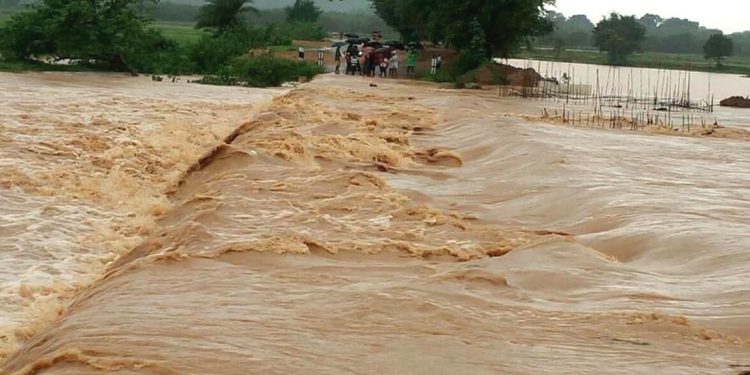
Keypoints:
pixel 368 61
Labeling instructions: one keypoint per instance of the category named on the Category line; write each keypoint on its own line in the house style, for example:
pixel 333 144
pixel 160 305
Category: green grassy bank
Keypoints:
pixel 180 32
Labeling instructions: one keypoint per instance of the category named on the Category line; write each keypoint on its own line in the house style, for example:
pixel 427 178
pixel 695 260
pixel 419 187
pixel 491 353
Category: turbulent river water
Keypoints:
pixel 159 228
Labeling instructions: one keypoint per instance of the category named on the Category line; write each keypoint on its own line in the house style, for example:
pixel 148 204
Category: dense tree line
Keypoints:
pixel 358 22
pixel 620 36
pixel 671 35
pixel 576 31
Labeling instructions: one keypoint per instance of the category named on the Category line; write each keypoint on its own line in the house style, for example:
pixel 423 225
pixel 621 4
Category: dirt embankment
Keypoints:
pixel 736 101
pixel 493 74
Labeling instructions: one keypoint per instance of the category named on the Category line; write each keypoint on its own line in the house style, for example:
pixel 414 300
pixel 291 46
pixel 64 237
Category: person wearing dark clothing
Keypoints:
pixel 355 67
pixel 352 62
pixel 366 64
pixel 371 65
pixel 383 67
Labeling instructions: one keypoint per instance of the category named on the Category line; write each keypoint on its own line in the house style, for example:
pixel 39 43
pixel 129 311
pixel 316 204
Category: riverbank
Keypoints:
pixel 657 60
pixel 27 67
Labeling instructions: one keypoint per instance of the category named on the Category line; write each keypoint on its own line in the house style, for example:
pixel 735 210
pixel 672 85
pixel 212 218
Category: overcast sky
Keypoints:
pixel 727 15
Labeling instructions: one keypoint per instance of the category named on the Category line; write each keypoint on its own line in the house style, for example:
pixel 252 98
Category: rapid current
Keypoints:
pixel 338 228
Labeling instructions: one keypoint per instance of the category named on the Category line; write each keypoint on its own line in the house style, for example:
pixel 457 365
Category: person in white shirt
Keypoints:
pixel 393 64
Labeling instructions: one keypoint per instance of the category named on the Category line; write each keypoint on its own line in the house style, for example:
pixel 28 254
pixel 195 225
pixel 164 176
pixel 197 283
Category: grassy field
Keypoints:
pixel 735 65
pixel 182 33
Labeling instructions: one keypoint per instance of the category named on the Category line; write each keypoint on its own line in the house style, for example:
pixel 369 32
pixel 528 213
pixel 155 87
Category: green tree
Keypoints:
pixel 472 55
pixel 619 36
pixel 505 24
pixel 403 17
pixel 223 15
pixel 303 11
pixel 718 47
pixel 651 22
pixel 92 31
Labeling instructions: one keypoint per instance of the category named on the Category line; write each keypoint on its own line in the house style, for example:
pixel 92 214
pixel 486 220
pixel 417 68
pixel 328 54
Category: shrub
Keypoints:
pixel 159 55
pixel 455 70
pixel 463 64
pixel 212 52
pixel 262 71
pixel 273 36
pixel 92 31
pixel 442 76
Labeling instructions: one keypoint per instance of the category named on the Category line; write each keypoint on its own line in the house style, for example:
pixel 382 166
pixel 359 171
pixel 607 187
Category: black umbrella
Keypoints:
pixel 353 41
pixel 352 36
pixel 395 45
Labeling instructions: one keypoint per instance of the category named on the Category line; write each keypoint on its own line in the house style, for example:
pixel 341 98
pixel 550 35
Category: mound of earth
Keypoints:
pixel 496 74
pixel 736 101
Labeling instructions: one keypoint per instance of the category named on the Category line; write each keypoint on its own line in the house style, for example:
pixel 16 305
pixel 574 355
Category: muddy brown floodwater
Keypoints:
pixel 641 83
pixel 151 228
